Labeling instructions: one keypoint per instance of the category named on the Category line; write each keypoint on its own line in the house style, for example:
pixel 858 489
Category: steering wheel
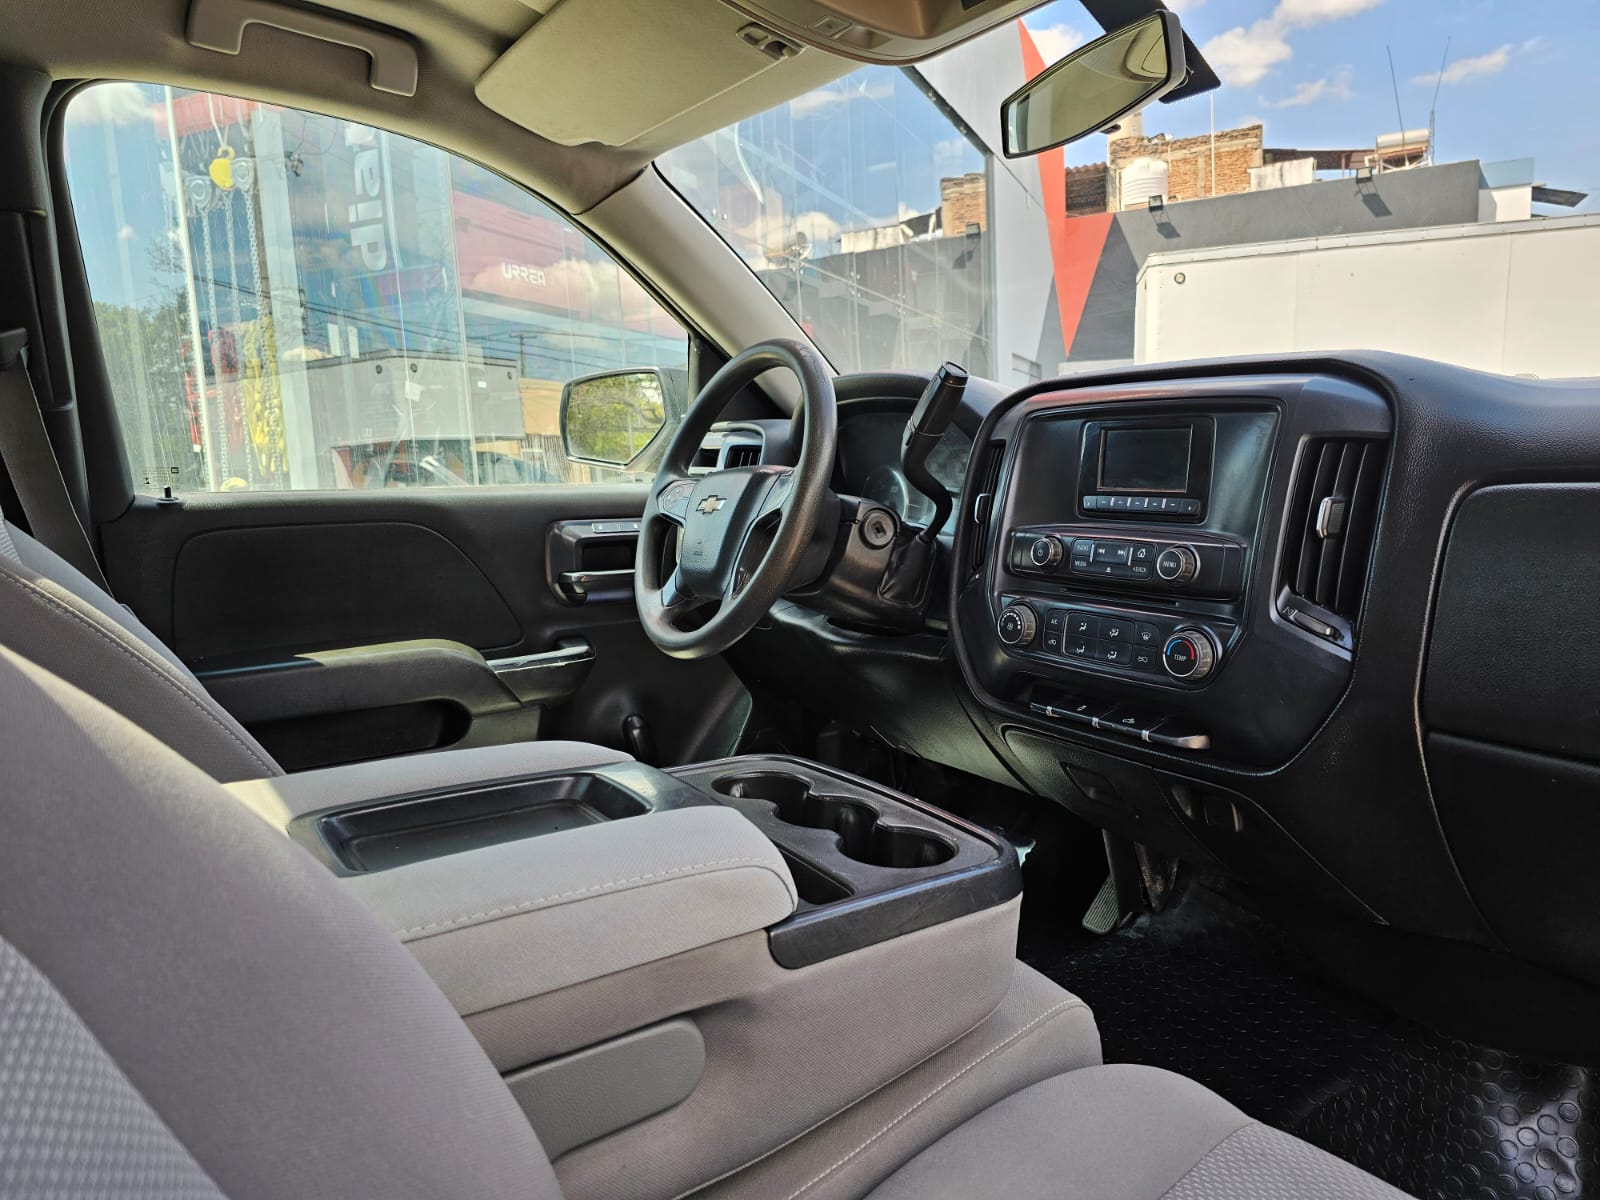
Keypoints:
pixel 720 520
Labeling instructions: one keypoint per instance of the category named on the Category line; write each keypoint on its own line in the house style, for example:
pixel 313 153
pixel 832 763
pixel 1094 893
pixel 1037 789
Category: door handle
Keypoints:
pixel 579 587
pixel 546 678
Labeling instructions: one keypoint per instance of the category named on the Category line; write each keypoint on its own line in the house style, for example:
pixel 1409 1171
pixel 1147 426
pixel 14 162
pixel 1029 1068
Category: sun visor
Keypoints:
pixel 623 73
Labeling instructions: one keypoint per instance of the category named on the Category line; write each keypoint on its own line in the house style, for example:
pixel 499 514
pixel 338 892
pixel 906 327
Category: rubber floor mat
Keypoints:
pixel 1222 998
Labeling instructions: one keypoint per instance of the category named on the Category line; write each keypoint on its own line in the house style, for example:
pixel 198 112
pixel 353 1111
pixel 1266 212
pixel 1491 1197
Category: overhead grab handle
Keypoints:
pixel 219 25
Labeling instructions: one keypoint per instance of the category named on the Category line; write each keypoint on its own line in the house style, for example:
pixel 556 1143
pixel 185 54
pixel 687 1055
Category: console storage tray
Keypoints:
pixel 376 836
pixel 869 863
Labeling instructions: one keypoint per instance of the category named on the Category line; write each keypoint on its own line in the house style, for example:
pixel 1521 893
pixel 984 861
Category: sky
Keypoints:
pixel 1316 72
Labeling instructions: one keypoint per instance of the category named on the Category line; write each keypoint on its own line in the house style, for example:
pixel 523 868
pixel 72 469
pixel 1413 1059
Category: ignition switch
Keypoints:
pixel 878 528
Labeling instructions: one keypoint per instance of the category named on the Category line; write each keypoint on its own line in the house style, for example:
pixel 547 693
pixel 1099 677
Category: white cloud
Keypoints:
pixel 1315 12
pixel 109 103
pixel 1055 41
pixel 827 97
pixel 1464 69
pixel 1183 6
pixel 816 225
pixel 126 234
pixel 1244 55
pixel 1331 87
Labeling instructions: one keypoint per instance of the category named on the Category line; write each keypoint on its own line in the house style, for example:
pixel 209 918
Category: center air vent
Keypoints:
pixel 982 505
pixel 1330 526
pixel 741 454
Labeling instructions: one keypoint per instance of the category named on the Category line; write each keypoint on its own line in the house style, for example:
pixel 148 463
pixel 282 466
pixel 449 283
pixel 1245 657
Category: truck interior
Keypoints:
pixel 657 752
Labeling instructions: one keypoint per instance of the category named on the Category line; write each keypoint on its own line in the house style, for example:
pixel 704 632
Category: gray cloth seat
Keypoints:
pixel 190 1006
pixel 1125 1132
pixel 52 613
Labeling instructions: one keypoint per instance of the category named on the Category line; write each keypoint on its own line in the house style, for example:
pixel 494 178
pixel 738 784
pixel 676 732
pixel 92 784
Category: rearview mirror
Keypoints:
pixel 614 418
pixel 1095 85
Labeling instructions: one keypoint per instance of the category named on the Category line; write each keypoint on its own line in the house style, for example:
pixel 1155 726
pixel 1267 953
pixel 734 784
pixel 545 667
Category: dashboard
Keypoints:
pixel 1321 622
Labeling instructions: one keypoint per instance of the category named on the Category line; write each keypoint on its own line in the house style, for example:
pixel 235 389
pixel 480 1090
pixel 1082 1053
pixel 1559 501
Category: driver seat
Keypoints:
pixel 192 1007
pixel 61 620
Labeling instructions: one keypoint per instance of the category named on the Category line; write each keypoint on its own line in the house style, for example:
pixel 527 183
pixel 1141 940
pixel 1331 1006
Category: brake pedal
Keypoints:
pixel 1104 912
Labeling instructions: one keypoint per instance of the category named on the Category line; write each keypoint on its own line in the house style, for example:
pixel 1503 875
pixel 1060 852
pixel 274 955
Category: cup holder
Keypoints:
pixel 862 835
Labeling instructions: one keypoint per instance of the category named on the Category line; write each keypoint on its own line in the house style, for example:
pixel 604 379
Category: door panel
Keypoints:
pixel 254 578
pixel 307 586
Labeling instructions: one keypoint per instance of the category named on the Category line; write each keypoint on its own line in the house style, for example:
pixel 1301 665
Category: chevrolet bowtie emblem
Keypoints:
pixel 710 504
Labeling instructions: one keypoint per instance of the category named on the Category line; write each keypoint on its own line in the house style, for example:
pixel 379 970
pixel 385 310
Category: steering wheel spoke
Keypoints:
pixel 672 498
pixel 778 495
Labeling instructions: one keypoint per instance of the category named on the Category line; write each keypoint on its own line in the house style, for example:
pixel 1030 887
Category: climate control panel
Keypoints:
pixel 1147 644
pixel 1201 565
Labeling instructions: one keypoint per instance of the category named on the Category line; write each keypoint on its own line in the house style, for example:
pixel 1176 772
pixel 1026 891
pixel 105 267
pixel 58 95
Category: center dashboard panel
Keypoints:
pixel 1137 577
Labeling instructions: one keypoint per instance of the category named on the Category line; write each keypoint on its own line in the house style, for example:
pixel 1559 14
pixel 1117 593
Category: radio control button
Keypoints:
pixel 1143 552
pixel 1119 503
pixel 1045 552
pixel 1083 548
pixel 1117 553
pixel 1188 508
pixel 1177 564
pixel 1139 571
pixel 1138 503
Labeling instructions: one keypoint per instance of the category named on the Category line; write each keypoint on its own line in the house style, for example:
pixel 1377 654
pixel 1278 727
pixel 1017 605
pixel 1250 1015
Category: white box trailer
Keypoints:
pixel 1517 297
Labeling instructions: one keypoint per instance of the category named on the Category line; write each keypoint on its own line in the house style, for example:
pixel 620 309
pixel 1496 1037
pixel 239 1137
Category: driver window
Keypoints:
pixel 292 301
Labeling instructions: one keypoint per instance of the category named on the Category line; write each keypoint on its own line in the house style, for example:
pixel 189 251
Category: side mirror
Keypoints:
pixel 1095 85
pixel 618 418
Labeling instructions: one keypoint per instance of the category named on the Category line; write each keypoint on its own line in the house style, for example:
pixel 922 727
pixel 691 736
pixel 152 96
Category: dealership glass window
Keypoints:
pixel 289 300
pixel 863 208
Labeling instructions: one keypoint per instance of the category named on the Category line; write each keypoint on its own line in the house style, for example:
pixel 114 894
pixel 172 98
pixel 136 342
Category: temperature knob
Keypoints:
pixel 1177 564
pixel 1190 654
pixel 1018 625
pixel 1045 552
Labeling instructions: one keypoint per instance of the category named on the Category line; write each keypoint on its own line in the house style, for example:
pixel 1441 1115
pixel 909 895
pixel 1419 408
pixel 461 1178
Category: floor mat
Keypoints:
pixel 1224 999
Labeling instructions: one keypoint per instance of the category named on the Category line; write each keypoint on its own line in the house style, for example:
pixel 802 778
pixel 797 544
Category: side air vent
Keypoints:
pixel 742 454
pixel 982 505
pixel 1331 523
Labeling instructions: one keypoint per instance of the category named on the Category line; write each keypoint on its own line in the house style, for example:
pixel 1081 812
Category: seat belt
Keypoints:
pixel 31 462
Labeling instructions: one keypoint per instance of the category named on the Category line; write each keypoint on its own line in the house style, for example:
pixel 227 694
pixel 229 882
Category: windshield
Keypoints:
pixel 1319 200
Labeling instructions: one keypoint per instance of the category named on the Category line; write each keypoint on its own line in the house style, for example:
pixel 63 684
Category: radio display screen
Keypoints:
pixel 1145 460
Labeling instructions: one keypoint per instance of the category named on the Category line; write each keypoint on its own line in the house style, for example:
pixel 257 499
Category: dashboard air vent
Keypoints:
pixel 742 454
pixel 1331 523
pixel 982 508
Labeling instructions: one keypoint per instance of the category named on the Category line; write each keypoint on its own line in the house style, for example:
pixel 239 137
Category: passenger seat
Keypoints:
pixel 191 1006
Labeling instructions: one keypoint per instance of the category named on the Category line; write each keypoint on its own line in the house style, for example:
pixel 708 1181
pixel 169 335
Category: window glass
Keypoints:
pixel 862 207
pixel 1405 177
pixel 288 300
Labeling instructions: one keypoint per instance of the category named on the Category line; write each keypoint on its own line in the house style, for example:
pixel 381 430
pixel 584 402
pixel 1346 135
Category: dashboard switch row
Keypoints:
pixel 1156 729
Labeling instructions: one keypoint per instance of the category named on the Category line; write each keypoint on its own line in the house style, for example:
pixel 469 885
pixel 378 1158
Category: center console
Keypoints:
pixel 642 952
pixel 1140 567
